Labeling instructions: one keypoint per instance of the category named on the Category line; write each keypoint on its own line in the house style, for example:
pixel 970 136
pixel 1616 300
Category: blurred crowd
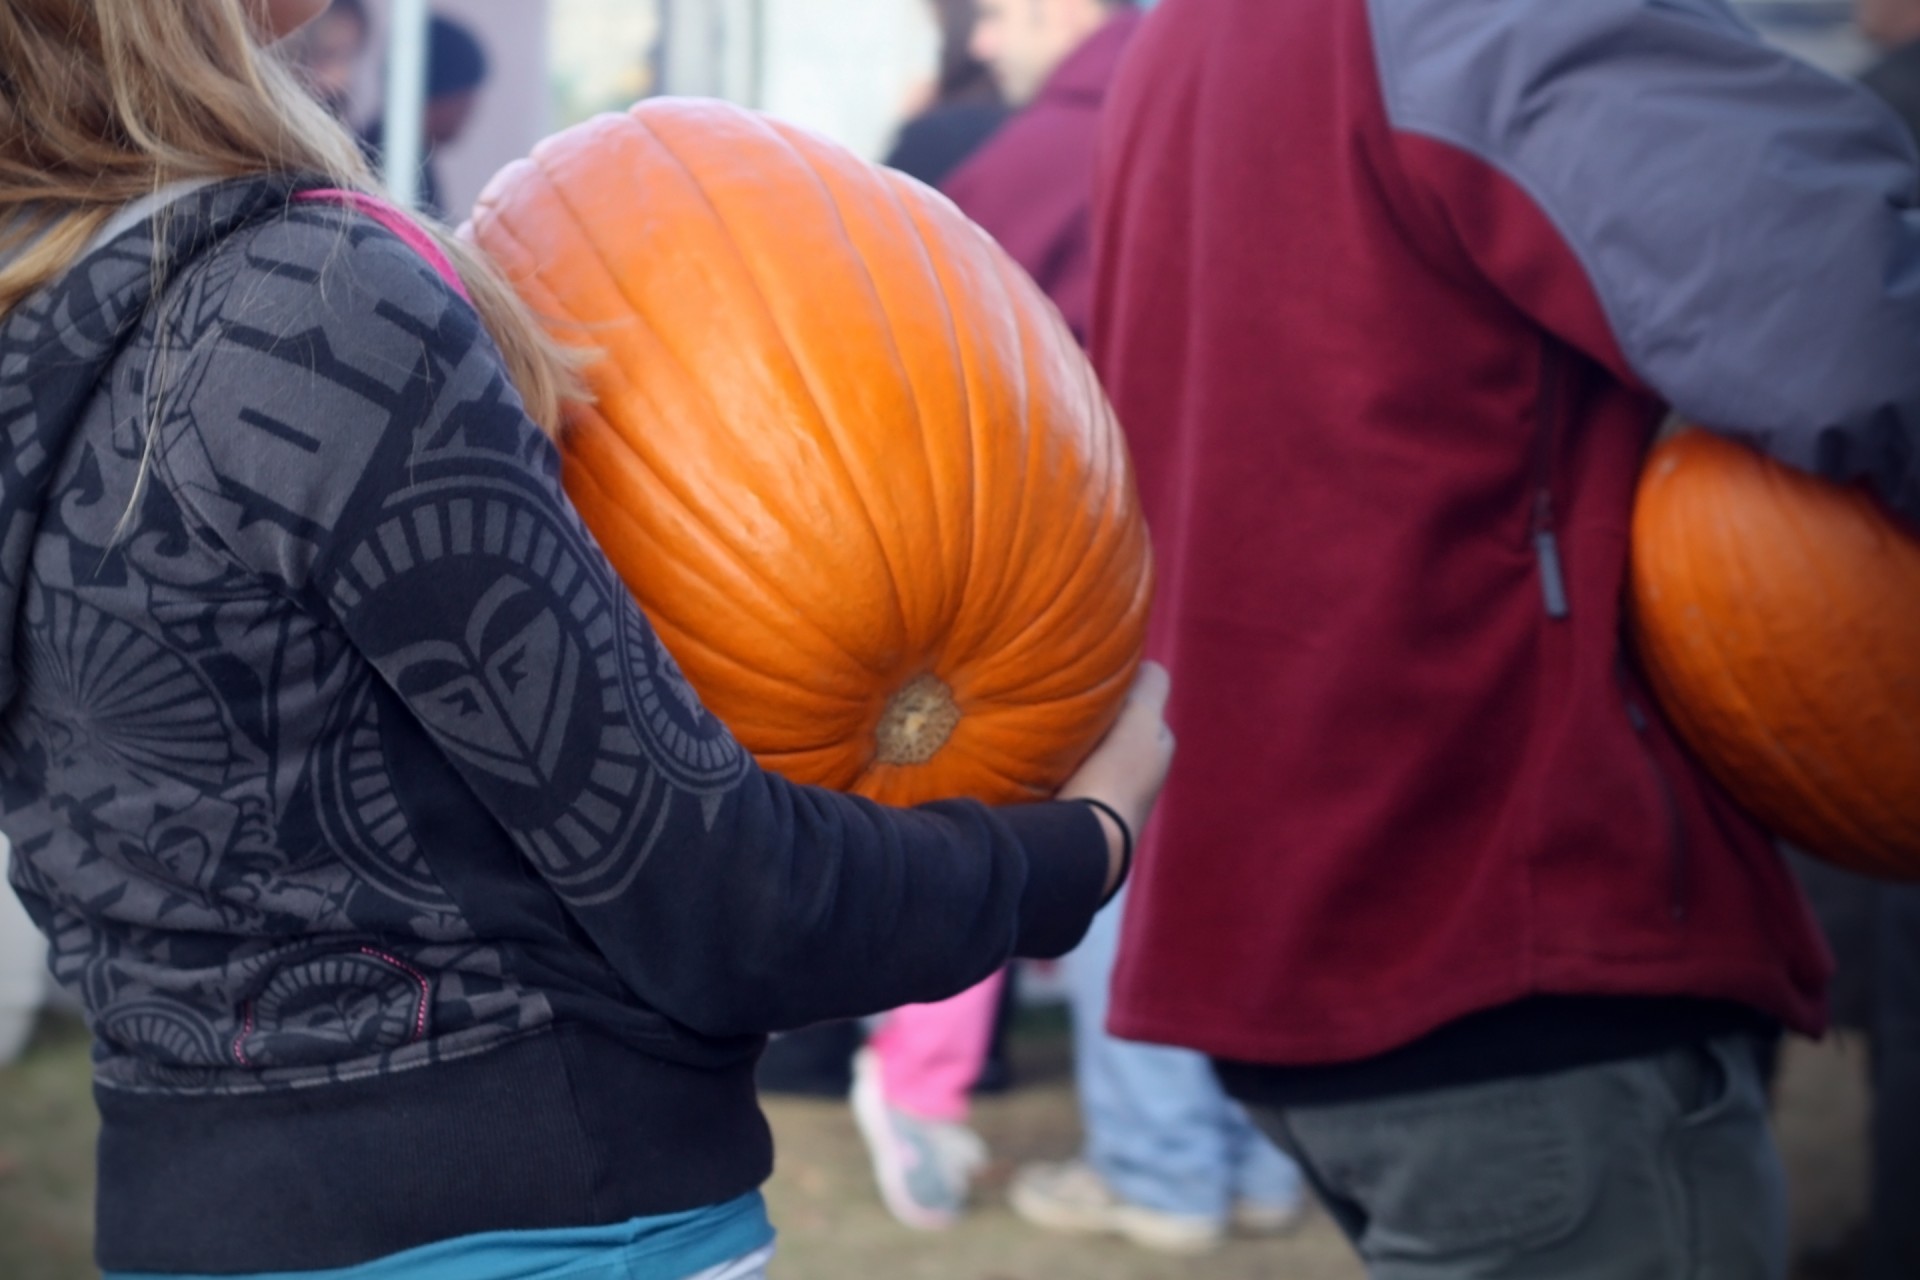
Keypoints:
pixel 1105 150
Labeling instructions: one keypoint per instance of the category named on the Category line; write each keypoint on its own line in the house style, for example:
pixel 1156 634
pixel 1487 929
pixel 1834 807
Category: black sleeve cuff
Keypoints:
pixel 1067 864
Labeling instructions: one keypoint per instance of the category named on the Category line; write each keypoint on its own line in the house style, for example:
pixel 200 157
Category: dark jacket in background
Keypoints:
pixel 938 140
pixel 967 108
pixel 1896 78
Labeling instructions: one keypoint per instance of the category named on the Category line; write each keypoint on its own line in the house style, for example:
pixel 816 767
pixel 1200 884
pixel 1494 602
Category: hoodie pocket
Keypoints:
pixel 1642 722
pixel 334 1006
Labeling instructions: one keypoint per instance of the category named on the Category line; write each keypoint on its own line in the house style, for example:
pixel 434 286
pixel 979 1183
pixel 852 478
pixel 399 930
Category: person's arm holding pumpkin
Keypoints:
pixel 427 522
pixel 1707 216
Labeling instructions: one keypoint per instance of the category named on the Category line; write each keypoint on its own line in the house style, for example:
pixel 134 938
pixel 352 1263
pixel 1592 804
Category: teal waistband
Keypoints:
pixel 670 1247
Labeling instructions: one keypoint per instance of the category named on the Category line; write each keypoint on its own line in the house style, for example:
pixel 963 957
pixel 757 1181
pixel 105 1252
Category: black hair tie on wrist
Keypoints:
pixel 1126 844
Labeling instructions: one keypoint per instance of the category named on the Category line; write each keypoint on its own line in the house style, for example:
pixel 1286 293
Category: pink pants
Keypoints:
pixel 930 1054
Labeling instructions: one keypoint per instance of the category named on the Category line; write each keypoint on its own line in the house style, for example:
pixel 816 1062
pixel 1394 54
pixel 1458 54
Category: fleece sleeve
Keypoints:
pixel 1715 220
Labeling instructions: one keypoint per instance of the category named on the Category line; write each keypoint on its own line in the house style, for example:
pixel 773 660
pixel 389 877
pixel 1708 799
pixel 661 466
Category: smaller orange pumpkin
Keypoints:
pixel 1779 618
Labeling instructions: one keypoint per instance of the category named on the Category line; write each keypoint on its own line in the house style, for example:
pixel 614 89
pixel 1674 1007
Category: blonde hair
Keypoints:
pixel 105 101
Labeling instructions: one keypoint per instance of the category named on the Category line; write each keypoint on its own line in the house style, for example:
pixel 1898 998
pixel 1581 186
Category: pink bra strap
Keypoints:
pixel 400 224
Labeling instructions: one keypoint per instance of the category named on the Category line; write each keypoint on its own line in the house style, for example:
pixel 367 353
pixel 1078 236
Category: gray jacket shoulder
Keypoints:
pixel 1747 221
pixel 289 359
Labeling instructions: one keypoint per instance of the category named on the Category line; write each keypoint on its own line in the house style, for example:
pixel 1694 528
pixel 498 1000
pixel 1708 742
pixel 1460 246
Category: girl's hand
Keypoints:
pixel 1130 765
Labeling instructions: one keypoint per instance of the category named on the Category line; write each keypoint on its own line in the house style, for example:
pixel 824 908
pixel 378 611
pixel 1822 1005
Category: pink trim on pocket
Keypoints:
pixel 409 231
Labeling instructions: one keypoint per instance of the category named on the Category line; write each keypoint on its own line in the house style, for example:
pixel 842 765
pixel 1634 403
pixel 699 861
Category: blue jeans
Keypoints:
pixel 1160 1131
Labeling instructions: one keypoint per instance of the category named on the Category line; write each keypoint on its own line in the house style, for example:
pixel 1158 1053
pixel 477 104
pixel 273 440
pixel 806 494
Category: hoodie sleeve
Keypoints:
pixel 1712 218
pixel 366 453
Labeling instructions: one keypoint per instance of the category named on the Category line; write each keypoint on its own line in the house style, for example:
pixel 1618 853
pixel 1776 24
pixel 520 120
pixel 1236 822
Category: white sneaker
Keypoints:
pixel 1252 1218
pixel 1070 1196
pixel 924 1167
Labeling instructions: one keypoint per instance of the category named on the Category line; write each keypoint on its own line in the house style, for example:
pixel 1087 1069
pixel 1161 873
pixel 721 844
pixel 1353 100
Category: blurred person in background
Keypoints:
pixel 1170 1162
pixel 966 105
pixel 328 54
pixel 456 75
pixel 1392 300
pixel 1032 185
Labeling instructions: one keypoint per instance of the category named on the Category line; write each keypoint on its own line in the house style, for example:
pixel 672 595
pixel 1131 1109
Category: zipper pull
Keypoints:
pixel 1546 549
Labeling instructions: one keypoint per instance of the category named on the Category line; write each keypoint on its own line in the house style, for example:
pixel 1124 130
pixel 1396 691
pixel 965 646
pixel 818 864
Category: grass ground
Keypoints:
pixel 47 1125
pixel 833 1228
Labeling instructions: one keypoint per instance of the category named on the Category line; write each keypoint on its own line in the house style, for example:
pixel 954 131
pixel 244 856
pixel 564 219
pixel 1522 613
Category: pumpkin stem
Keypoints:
pixel 917 722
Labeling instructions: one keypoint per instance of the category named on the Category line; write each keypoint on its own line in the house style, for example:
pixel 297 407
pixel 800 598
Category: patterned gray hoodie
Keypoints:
pixel 409 888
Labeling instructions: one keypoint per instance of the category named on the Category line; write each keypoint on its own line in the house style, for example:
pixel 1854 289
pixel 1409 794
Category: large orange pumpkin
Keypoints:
pixel 1779 617
pixel 846 456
